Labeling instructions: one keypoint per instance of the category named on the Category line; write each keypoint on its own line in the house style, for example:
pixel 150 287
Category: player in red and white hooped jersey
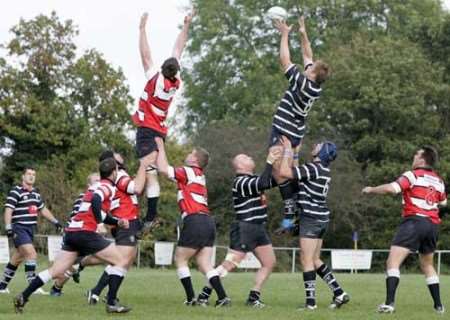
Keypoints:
pixel 150 117
pixel 81 239
pixel 124 206
pixel 199 231
pixel 423 193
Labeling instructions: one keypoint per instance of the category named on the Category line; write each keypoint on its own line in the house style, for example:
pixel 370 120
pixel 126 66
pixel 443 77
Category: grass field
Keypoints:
pixel 157 294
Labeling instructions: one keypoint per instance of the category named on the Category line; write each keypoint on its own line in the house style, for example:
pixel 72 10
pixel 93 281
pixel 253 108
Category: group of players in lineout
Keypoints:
pixel 111 198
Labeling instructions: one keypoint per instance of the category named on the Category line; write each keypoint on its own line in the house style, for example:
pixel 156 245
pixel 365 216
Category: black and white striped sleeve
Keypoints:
pixel 248 186
pixel 308 171
pixel 12 199
pixel 77 204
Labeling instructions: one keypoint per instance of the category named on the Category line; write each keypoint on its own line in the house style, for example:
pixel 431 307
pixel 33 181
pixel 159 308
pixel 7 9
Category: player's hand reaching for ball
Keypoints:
pixel 143 22
pixel 301 23
pixel 282 26
pixel 188 17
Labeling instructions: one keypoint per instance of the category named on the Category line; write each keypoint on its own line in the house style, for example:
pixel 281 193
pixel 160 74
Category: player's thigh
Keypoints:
pixel 203 259
pixel 16 258
pixel 27 251
pixel 63 262
pixel 426 260
pixel 111 255
pixel 265 255
pixel 128 252
pixel 318 249
pixel 183 254
pixel 308 248
pixel 396 256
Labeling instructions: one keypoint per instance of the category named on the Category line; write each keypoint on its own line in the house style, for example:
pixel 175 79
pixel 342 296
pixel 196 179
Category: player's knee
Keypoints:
pixel 116 270
pixel 233 259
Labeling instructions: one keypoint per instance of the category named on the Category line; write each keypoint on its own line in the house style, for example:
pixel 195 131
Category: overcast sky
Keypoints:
pixel 111 27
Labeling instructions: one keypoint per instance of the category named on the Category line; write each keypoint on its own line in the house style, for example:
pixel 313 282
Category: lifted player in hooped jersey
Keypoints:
pixel 423 192
pixel 313 179
pixel 124 206
pixel 81 238
pixel 22 207
pixel 154 103
pixel 303 90
pixel 199 231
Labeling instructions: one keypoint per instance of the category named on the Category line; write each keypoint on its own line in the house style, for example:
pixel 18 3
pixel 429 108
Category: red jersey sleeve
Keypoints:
pixel 177 174
pixel 406 180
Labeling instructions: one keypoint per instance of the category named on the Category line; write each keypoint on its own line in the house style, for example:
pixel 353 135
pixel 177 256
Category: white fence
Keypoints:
pixel 352 260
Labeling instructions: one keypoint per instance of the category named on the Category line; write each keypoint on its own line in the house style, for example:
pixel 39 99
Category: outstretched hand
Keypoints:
pixel 143 22
pixel 274 154
pixel 188 17
pixel 282 26
pixel 301 23
pixel 367 190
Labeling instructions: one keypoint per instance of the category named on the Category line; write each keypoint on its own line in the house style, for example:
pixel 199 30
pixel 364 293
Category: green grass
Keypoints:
pixel 157 294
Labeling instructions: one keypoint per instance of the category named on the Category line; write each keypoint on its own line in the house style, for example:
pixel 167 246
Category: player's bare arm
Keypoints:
pixel 381 189
pixel 285 56
pixel 144 47
pixel 182 38
pixel 305 44
pixel 7 218
pixel 50 217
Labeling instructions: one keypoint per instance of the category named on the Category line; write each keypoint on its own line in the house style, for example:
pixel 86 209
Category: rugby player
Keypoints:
pixel 199 231
pixel 248 232
pixel 423 191
pixel 22 207
pixel 313 180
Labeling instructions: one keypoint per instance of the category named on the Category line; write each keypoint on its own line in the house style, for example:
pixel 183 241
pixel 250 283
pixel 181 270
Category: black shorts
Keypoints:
pixel 417 234
pixel 312 228
pixel 199 231
pixel 84 242
pixel 275 138
pixel 127 237
pixel 145 141
pixel 23 234
pixel 246 236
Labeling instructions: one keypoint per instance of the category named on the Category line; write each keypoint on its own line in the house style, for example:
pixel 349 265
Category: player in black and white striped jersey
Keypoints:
pixel 304 89
pixel 248 232
pixel 313 181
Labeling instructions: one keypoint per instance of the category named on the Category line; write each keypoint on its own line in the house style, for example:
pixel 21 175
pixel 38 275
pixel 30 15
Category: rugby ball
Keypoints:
pixel 277 13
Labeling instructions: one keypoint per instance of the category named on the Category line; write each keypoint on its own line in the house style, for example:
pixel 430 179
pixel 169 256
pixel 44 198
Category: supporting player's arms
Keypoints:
pixel 139 180
pixel 162 163
pixel 182 38
pixel 144 48
pixel 388 188
pixel 285 56
pixel 305 44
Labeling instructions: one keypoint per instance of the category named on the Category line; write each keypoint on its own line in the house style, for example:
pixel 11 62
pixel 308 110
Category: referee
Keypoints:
pixel 423 191
pixel 22 207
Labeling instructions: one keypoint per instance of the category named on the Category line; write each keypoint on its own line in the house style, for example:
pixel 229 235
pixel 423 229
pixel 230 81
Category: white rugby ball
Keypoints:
pixel 277 13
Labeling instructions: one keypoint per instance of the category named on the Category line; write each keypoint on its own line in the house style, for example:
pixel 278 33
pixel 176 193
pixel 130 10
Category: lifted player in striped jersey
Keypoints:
pixel 248 232
pixel 423 191
pixel 313 181
pixel 56 290
pixel 22 207
pixel 304 89
pixel 199 230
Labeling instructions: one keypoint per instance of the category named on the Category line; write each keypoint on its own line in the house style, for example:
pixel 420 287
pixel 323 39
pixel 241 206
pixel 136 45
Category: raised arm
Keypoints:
pixel 285 56
pixel 139 180
pixel 162 163
pixel 182 38
pixel 305 44
pixel 144 48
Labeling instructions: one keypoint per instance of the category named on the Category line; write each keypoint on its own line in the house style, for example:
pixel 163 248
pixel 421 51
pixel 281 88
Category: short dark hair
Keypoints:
pixel 430 155
pixel 170 68
pixel 202 157
pixel 107 167
pixel 105 155
pixel 28 168
pixel 322 71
